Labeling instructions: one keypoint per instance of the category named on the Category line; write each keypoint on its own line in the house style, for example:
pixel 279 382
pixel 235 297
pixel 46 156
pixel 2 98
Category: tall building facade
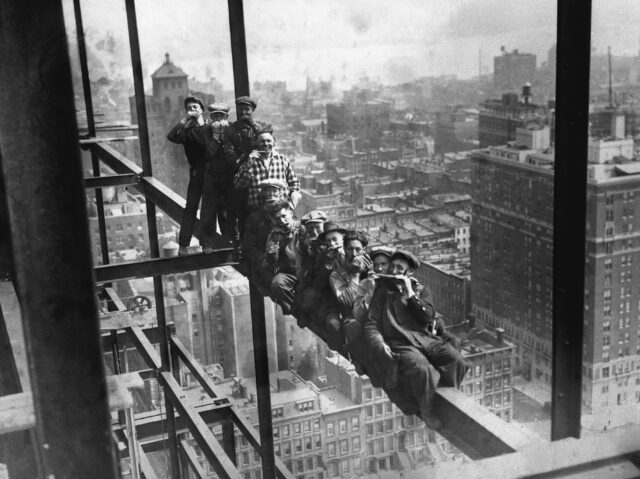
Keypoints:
pixel 511 251
pixel 366 120
pixel 512 69
pixel 498 120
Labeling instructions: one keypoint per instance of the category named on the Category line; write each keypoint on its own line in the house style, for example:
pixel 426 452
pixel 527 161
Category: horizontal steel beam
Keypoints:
pixel 111 180
pixel 198 428
pixel 151 427
pixel 126 319
pixel 144 347
pixel 473 429
pixel 160 266
pixel 238 419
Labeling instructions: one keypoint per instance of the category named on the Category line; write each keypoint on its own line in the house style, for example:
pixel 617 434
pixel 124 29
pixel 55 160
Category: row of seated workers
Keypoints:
pixel 364 302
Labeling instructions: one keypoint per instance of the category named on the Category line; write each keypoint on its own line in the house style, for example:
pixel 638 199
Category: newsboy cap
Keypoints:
pixel 272 183
pixel 218 108
pixel 414 263
pixel 381 250
pixel 315 216
pixel 330 226
pixel 193 99
pixel 246 100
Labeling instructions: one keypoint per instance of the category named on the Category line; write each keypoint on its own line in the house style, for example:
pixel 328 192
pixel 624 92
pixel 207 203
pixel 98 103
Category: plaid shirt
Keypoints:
pixel 254 170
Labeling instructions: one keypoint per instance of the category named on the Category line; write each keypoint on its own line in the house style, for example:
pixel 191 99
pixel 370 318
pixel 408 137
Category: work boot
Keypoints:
pixel 183 251
pixel 208 249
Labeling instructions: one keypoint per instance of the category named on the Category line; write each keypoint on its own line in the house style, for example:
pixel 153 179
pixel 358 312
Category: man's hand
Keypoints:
pixel 254 155
pixel 406 288
pixel 296 196
pixel 387 351
pixel 362 263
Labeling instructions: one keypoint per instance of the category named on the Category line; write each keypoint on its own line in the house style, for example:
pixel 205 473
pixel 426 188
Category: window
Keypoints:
pixel 330 429
pixel 367 394
pixel 344 446
pixel 308 443
pixel 286 447
pixel 356 443
pixel 369 412
pixel 277 412
pixel 298 445
pixel 285 430
pixel 342 425
pixel 332 449
pixel 355 423
pixel 296 428
pixel 369 430
pixel 318 440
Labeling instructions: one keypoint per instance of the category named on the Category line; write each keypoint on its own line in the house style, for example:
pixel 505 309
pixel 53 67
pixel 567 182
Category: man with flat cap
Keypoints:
pixel 201 149
pixel 409 354
pixel 258 224
pixel 240 139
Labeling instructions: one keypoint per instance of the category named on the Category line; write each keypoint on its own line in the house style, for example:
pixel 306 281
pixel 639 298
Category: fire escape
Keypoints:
pixel 60 426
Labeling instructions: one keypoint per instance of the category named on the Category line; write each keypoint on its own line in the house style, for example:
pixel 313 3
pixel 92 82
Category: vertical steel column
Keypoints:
pixel 260 351
pixel 229 440
pixel 261 360
pixel 84 69
pixel 91 126
pixel 569 221
pixel 102 224
pixel 50 234
pixel 143 131
pixel 238 48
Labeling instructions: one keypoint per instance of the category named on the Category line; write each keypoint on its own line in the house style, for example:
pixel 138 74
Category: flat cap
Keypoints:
pixel 330 226
pixel 273 183
pixel 218 108
pixel 247 100
pixel 315 216
pixel 193 99
pixel 410 258
pixel 381 250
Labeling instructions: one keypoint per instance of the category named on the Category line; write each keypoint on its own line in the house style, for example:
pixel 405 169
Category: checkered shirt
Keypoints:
pixel 254 170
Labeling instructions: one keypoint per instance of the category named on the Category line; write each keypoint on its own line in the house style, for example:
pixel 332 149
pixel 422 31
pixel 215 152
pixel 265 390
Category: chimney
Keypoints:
pixel 500 336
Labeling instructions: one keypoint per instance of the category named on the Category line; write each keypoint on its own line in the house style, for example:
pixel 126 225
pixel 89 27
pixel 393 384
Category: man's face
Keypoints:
pixel 399 267
pixel 313 229
pixel 381 264
pixel 244 111
pixel 334 240
pixel 218 116
pixel 271 195
pixel 282 218
pixel 266 142
pixel 353 249
pixel 193 109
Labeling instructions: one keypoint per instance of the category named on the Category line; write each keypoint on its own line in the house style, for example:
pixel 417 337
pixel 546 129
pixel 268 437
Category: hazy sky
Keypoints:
pixel 393 41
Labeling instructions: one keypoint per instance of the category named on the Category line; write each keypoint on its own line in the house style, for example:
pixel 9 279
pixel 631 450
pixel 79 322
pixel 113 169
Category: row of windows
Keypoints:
pixel 309 444
pixel 342 447
pixel 298 427
pixel 380 409
pixel 343 426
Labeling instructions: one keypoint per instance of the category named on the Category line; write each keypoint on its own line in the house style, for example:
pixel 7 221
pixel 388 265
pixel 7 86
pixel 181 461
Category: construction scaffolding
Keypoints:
pixel 57 423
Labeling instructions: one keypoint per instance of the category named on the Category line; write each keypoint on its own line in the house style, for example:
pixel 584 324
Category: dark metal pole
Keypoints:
pixel 86 85
pixel 143 132
pixel 51 242
pixel 569 222
pixel 102 224
pixel 238 48
pixel 260 355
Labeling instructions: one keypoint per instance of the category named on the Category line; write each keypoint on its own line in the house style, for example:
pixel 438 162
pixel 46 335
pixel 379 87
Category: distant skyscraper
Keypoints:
pixel 511 251
pixel 512 70
pixel 365 120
